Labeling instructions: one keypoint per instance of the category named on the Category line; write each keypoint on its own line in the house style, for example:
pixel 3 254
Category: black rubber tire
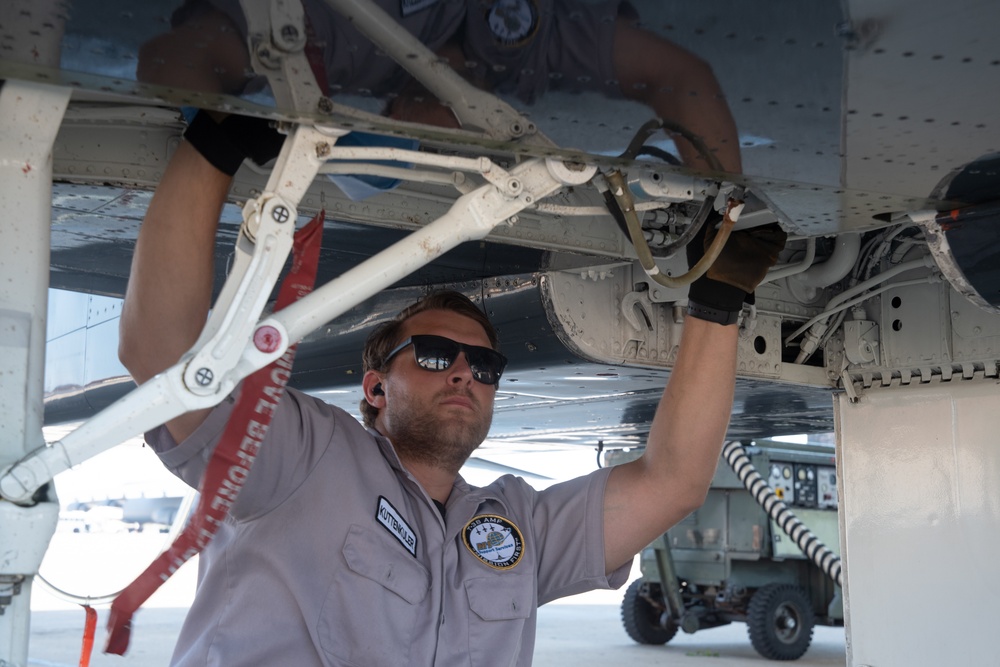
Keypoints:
pixel 641 619
pixel 780 621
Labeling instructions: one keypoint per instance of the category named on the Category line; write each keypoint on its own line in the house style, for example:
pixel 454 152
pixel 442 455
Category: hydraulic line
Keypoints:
pixel 779 272
pixel 819 553
pixel 699 145
pixel 843 305
pixel 689 233
pixel 838 265
pixel 639 139
pixel 637 145
pixel 815 327
pixel 620 192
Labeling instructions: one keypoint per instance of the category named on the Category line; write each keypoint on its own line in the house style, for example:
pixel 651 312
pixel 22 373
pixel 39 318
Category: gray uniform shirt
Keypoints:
pixel 334 555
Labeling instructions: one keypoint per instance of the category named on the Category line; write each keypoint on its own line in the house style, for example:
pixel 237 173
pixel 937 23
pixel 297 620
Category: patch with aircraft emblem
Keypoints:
pixel 494 540
pixel 512 22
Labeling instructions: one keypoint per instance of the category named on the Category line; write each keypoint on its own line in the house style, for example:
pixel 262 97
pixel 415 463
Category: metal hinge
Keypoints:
pixel 855 382
pixel 10 585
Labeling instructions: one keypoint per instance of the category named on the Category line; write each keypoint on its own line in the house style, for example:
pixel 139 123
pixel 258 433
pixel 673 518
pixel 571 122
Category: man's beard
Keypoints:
pixel 433 438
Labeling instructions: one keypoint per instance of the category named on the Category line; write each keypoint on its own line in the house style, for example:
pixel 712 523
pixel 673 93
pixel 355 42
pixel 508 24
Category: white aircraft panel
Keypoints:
pixel 919 468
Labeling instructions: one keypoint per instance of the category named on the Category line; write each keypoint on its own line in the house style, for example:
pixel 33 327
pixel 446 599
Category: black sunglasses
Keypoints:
pixel 437 353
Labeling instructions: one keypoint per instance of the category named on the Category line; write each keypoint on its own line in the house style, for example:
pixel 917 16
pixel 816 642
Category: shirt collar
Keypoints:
pixel 462 491
pixel 388 451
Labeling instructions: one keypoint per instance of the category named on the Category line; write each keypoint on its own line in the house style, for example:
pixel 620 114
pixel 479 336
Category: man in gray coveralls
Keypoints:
pixel 364 546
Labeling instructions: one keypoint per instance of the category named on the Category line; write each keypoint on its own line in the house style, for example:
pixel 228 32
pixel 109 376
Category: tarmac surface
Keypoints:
pixel 578 635
pixel 582 631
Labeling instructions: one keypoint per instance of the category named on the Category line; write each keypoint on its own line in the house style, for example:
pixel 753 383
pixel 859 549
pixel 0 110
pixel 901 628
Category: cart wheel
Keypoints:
pixel 641 618
pixel 780 621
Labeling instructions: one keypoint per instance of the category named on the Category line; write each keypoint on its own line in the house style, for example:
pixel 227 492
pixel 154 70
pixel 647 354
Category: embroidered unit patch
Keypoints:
pixel 494 540
pixel 391 520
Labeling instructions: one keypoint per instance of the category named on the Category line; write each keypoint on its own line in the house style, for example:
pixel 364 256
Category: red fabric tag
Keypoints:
pixel 89 628
pixel 234 455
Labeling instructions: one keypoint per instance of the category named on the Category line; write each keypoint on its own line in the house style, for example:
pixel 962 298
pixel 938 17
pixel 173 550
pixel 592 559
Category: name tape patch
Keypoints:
pixel 494 540
pixel 389 517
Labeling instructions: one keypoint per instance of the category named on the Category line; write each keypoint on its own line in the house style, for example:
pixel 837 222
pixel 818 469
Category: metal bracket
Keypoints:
pixel 226 351
pixel 640 301
pixel 852 392
pixel 276 39
pixel 472 106
pixel 10 586
pixel 861 342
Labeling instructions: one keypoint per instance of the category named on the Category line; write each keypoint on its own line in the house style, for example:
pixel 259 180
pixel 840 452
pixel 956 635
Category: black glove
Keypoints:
pixel 226 142
pixel 740 267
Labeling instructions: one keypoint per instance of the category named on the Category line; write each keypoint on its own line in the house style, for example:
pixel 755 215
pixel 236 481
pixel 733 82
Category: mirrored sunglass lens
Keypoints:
pixel 436 354
pixel 485 364
pixel 484 375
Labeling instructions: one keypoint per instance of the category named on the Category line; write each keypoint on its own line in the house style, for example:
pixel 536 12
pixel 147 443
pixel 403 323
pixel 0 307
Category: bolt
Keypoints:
pixel 322 150
pixel 289 33
pixel 267 339
pixel 264 54
pixel 325 105
pixel 845 30
pixel 204 377
pixel 280 214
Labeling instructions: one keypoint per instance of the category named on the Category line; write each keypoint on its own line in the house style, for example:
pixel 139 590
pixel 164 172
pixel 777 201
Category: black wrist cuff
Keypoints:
pixel 226 143
pixel 208 138
pixel 724 317
pixel 716 294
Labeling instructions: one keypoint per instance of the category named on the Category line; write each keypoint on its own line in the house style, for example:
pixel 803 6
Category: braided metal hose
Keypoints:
pixel 819 553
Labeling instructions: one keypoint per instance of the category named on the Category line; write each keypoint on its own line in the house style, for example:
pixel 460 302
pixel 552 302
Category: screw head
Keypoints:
pixel 204 377
pixel 289 32
pixel 280 214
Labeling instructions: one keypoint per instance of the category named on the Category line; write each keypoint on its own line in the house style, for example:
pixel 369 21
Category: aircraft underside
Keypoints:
pixel 866 130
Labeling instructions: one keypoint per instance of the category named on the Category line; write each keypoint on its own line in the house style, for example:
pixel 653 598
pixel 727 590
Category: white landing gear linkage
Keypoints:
pixel 234 344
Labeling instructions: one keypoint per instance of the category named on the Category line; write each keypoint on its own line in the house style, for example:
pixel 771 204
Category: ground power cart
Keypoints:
pixel 730 561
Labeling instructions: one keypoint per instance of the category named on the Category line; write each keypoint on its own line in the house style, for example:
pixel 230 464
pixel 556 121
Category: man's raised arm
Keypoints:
pixel 647 496
pixel 170 285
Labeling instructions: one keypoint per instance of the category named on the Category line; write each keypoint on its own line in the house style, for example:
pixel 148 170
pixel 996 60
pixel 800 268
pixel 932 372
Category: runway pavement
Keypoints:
pixel 577 635
pixel 582 631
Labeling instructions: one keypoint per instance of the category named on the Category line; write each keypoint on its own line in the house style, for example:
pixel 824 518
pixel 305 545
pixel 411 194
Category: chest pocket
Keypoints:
pixel 379 595
pixel 501 606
